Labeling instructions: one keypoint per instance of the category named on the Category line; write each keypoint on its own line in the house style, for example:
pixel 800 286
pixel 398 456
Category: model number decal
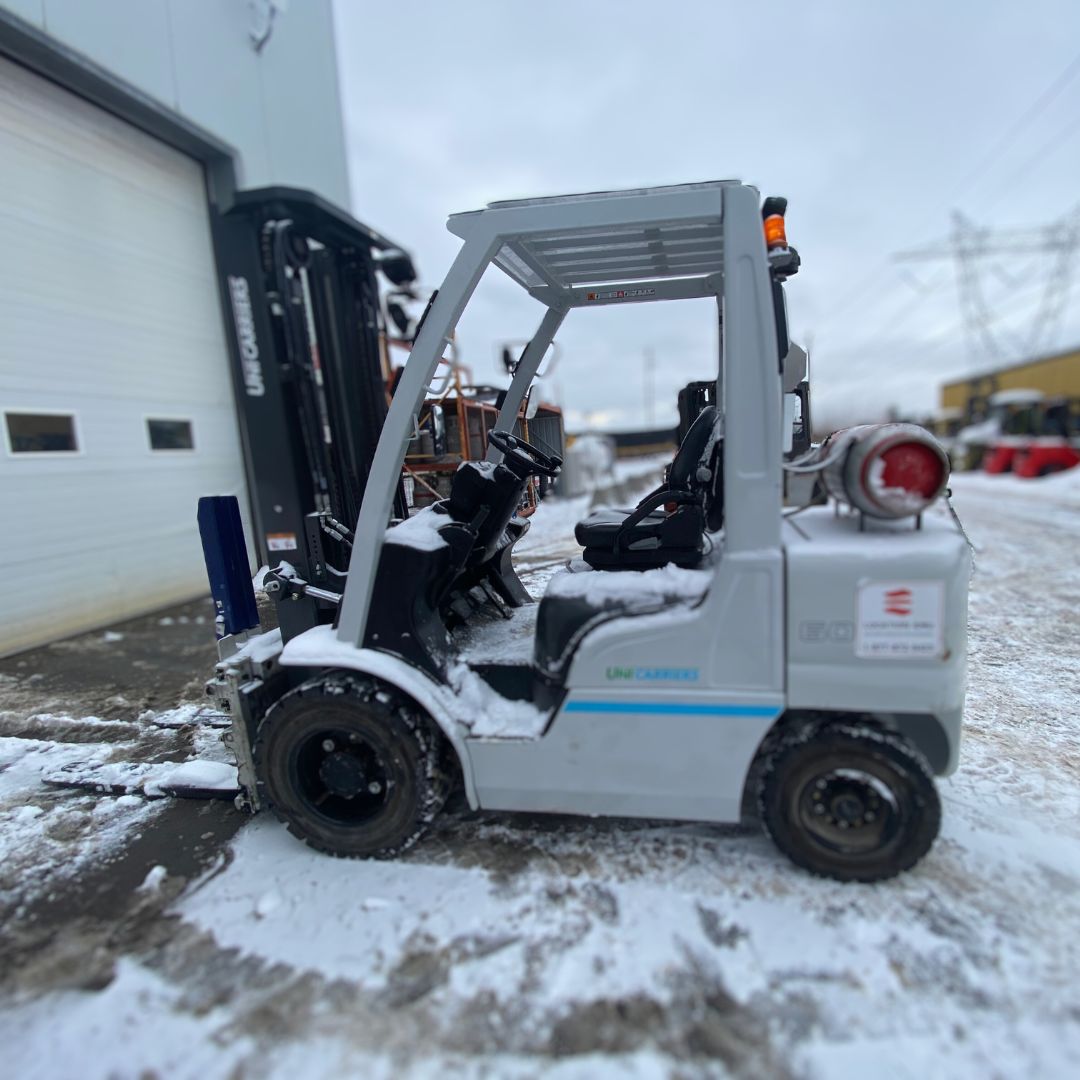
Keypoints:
pixel 652 674
pixel 818 631
pixel 250 365
pixel 620 294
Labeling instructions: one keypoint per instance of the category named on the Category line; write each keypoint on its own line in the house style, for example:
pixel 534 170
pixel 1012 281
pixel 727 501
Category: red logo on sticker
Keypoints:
pixel 898 602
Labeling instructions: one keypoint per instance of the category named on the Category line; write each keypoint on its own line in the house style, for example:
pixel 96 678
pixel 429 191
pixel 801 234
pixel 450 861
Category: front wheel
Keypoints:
pixel 850 802
pixel 351 767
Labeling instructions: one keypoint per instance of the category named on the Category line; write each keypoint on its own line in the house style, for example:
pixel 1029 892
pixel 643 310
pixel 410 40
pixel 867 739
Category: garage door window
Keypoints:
pixel 41 433
pixel 170 434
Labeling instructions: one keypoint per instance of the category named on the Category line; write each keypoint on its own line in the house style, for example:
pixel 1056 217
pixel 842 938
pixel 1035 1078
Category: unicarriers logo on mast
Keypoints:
pixel 250 365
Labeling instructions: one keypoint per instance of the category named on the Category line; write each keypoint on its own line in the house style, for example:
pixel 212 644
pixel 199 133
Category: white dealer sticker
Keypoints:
pixel 900 620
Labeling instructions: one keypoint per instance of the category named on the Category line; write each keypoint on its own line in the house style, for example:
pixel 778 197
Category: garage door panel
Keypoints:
pixel 110 307
pixel 168 249
pixel 42 114
pixel 101 275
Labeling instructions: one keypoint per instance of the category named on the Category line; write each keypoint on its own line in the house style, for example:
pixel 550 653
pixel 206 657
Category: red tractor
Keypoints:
pixel 1034 435
pixel 1030 434
pixel 1056 446
pixel 1012 422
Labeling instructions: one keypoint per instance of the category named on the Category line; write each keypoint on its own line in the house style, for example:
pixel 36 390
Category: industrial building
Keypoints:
pixel 125 127
pixel 1056 375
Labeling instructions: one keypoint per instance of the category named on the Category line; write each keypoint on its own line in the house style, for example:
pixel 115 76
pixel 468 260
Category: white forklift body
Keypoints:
pixel 662 691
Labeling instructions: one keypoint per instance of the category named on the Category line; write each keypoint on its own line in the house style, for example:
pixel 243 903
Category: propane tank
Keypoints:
pixel 884 470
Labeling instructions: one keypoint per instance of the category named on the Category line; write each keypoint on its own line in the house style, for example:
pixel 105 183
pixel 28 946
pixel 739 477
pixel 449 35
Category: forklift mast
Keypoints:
pixel 306 338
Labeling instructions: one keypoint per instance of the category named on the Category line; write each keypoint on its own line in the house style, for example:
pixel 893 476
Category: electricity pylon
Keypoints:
pixel 971 245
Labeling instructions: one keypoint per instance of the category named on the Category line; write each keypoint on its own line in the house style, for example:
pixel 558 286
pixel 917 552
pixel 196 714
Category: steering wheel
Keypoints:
pixel 522 458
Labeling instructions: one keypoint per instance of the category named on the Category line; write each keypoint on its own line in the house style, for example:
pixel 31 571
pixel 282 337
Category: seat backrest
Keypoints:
pixel 682 471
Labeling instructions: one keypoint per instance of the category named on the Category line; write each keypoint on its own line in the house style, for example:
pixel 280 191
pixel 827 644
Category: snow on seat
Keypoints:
pixel 575 602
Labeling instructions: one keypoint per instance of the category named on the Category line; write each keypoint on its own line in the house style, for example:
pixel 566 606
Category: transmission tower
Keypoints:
pixel 972 246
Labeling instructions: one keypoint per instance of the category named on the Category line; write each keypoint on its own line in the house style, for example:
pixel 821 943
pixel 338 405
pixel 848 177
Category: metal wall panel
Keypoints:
pixel 110 310
pixel 278 107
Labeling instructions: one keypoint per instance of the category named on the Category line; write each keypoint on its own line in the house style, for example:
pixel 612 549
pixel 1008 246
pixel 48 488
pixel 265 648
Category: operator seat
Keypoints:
pixel 668 525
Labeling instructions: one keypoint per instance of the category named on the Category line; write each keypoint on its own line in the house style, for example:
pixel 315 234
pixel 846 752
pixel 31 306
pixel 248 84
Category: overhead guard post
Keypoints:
pixel 524 375
pixel 461 280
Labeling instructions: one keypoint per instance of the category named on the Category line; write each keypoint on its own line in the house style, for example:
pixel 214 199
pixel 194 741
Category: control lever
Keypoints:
pixel 281 585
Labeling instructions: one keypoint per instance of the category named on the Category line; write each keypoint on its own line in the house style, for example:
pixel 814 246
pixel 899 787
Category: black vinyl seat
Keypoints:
pixel 668 525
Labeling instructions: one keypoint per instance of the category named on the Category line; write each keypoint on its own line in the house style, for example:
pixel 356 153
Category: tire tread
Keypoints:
pixel 893 745
pixel 434 749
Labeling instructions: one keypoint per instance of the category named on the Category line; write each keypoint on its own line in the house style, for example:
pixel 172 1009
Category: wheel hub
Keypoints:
pixel 343 774
pixel 848 807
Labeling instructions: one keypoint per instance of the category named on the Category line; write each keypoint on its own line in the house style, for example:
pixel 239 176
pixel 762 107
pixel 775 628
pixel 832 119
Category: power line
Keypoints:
pixel 952 332
pixel 869 280
pixel 1020 125
pixel 1055 143
pixel 968 244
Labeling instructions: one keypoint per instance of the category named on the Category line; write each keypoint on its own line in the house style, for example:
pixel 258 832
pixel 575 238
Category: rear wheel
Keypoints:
pixel 351 767
pixel 849 802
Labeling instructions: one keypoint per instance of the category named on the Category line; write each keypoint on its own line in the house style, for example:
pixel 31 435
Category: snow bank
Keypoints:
pixel 1061 488
pixel 104 1034
pixel 41 837
pixel 551 527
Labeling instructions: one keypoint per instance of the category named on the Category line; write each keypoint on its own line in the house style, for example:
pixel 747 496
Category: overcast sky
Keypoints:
pixel 875 120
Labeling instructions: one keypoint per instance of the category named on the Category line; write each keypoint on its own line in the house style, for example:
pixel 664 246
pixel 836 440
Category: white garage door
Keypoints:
pixel 114 379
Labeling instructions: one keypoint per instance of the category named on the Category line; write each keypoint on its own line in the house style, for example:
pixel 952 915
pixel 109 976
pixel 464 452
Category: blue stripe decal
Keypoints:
pixel 670 708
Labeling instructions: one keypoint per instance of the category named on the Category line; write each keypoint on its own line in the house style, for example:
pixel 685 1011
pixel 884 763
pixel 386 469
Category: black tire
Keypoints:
pixel 352 767
pixel 879 809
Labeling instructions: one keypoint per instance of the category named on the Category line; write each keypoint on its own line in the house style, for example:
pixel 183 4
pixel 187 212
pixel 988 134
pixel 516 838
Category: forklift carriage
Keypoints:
pixel 713 650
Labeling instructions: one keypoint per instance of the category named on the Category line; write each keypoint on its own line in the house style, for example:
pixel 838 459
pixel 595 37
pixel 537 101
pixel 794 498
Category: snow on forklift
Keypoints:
pixel 730 641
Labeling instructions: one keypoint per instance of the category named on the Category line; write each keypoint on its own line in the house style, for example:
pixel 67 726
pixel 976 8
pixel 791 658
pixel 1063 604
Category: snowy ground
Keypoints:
pixel 527 946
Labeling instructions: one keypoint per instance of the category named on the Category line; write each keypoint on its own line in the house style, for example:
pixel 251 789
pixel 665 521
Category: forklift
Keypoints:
pixel 741 639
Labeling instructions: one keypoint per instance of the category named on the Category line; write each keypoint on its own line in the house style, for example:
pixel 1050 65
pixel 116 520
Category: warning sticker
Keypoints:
pixel 900 620
pixel 281 541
